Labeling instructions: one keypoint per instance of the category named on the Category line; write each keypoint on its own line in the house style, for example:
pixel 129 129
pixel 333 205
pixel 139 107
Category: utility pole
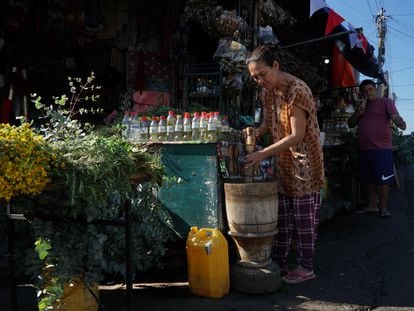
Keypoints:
pixel 381 23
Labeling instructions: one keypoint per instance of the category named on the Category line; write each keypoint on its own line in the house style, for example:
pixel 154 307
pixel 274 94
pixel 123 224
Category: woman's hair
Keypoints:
pixel 264 54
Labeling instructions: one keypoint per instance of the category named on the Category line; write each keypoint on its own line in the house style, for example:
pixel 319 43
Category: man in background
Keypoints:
pixel 376 165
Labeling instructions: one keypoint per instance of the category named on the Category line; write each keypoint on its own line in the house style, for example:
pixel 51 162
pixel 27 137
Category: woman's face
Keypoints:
pixel 264 75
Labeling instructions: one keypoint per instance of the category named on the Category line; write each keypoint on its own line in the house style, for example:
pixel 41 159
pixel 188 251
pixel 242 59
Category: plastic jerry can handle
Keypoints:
pixel 207 248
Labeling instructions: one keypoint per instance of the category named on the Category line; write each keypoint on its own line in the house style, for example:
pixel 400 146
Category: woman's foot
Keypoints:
pixel 298 275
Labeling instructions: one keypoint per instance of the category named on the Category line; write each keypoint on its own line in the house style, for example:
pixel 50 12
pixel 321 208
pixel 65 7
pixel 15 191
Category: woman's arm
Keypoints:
pixel 298 126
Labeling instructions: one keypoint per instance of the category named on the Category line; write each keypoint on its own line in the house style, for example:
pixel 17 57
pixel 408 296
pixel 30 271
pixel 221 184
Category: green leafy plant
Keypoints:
pixel 93 179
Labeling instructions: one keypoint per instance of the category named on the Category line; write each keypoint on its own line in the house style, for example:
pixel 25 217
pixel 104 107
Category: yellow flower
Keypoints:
pixel 24 160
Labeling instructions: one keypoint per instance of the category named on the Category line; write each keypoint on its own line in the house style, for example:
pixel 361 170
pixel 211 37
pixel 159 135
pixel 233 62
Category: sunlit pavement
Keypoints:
pixel 363 262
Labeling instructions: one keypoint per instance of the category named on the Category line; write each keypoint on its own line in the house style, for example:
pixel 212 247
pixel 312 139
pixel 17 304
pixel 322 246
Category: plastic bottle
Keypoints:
pixel 217 119
pixel 195 127
pixel 153 130
pixel 203 126
pixel 135 133
pixel 211 129
pixel 208 263
pixel 162 129
pixel 126 126
pixel 187 127
pixel 179 128
pixel 225 128
pixel 171 120
pixel 144 129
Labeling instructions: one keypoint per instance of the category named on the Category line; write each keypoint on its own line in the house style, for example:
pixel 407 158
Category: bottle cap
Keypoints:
pixel 186 115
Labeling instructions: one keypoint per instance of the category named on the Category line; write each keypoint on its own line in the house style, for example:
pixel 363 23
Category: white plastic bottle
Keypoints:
pixel 144 129
pixel 217 120
pixel 195 127
pixel 153 130
pixel 126 126
pixel 179 128
pixel 187 127
pixel 203 126
pixel 162 129
pixel 171 120
pixel 211 129
pixel 135 133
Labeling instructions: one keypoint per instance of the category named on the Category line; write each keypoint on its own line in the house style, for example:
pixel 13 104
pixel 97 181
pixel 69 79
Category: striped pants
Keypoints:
pixel 298 216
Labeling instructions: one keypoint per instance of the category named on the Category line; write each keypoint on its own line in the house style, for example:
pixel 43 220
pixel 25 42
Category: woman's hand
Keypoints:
pixel 254 158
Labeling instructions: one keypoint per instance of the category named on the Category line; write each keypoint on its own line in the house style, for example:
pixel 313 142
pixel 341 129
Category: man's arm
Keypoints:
pixel 399 121
pixel 360 110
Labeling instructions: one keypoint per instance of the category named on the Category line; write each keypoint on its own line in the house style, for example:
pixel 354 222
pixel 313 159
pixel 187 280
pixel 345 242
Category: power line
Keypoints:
pixel 402 69
pixel 411 14
pixel 403 85
pixel 352 8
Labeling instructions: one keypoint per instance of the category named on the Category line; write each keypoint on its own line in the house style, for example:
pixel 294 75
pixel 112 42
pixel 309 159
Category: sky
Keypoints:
pixel 399 44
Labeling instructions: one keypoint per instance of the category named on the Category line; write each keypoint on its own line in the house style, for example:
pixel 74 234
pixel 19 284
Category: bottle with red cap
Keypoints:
pixel 171 120
pixel 145 124
pixel 153 130
pixel 187 127
pixel 135 132
pixel 162 129
pixel 195 127
pixel 203 126
pixel 179 128
pixel 211 129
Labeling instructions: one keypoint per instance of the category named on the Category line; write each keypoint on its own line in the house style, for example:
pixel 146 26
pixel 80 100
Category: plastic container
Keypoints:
pixel 208 263
pixel 76 296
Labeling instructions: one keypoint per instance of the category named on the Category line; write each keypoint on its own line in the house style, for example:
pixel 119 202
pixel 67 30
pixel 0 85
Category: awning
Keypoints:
pixel 319 21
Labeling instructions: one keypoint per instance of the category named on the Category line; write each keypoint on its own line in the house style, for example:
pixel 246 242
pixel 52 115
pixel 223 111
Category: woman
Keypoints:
pixel 290 114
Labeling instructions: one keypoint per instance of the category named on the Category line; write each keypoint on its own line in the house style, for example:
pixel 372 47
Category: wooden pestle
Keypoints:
pixel 249 147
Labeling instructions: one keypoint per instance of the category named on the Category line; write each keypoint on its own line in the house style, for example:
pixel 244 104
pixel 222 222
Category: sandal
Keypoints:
pixel 385 214
pixel 298 275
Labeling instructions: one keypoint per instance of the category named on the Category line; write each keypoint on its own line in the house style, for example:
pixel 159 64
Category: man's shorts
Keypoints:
pixel 376 167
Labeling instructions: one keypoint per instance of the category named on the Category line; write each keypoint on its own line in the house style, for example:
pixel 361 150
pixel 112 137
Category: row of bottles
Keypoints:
pixel 204 127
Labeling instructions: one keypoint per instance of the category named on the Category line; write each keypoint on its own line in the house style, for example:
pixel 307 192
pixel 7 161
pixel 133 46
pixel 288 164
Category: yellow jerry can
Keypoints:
pixel 208 263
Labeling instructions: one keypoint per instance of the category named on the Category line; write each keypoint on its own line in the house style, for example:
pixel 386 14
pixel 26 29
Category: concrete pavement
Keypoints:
pixel 363 262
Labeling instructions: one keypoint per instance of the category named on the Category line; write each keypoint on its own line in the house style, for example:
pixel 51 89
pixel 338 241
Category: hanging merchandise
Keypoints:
pixel 267 36
pixel 231 55
pixel 229 24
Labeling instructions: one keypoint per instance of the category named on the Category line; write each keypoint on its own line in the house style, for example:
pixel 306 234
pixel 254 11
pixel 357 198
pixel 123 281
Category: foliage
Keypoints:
pixel 25 159
pixel 91 181
pixel 404 154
